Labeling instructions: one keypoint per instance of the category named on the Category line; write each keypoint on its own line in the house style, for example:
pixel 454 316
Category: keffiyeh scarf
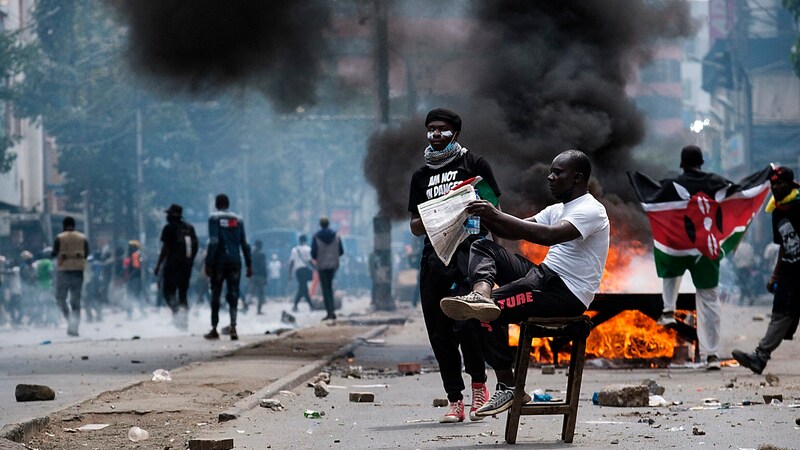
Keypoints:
pixel 438 159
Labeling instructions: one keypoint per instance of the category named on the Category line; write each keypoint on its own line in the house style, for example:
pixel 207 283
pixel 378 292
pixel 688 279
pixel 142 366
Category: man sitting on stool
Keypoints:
pixel 577 231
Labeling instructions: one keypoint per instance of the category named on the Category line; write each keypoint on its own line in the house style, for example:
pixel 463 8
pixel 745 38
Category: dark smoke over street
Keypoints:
pixel 201 46
pixel 543 77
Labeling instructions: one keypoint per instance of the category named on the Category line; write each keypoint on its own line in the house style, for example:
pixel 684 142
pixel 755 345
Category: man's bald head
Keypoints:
pixel 569 175
pixel 578 161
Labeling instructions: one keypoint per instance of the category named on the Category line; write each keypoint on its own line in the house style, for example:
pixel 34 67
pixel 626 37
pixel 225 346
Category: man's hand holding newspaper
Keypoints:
pixel 444 217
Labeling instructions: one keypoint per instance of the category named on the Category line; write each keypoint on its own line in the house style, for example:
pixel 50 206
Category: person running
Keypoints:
pixel 784 283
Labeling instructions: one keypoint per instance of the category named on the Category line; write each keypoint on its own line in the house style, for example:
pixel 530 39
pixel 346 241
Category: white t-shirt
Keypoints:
pixel 580 262
pixel 300 257
pixel 274 267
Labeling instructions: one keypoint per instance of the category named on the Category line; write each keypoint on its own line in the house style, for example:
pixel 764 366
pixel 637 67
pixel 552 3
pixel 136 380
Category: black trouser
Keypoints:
pixel 303 276
pixel 785 315
pixel 526 290
pixel 176 278
pixel 446 334
pixel 326 284
pixel 229 274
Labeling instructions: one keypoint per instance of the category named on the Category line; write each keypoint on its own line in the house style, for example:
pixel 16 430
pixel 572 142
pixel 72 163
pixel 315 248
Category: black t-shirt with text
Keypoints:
pixel 427 183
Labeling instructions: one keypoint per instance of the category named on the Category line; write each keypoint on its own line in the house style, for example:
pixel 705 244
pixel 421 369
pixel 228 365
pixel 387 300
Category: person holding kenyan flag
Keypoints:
pixel 697 218
pixel 785 281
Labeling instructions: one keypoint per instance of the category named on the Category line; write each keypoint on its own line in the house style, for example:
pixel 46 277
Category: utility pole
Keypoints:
pixel 382 59
pixel 139 178
pixel 246 182
pixel 382 226
pixel 741 80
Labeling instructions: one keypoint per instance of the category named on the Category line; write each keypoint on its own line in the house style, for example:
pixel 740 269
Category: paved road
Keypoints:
pixel 119 352
pixel 403 417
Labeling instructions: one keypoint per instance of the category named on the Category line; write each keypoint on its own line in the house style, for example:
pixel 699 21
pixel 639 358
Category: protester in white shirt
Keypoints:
pixel 577 231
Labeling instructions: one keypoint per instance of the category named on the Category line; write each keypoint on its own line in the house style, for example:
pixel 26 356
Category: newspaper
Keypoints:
pixel 444 218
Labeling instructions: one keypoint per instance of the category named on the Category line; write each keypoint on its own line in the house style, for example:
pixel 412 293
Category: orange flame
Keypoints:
pixel 620 254
pixel 540 347
pixel 628 335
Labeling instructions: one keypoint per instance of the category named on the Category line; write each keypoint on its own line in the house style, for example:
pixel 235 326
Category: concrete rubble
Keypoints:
pixel 34 393
pixel 624 396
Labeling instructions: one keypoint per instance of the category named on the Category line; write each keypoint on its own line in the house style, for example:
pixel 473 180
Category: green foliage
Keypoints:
pixel 793 6
pixel 14 56
pixel 78 85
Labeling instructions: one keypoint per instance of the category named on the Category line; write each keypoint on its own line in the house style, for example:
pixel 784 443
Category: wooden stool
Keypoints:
pixel 576 329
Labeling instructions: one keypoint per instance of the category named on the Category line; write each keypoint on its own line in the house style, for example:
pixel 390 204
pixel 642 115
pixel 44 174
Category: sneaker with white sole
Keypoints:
pixel 471 306
pixel 455 413
pixel 712 362
pixel 667 319
pixel 501 400
pixel 480 394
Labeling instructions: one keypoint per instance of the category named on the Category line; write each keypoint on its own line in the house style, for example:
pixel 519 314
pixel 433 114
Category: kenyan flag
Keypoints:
pixel 698 229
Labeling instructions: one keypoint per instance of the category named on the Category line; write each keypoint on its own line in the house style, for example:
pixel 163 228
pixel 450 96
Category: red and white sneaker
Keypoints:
pixel 480 394
pixel 455 414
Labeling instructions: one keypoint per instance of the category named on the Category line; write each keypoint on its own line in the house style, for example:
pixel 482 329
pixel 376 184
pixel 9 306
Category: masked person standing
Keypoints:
pixel 178 250
pixel 226 237
pixel 447 164
pixel 70 249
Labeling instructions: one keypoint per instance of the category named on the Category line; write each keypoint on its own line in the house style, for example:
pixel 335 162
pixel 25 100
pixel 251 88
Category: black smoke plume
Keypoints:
pixel 197 46
pixel 543 77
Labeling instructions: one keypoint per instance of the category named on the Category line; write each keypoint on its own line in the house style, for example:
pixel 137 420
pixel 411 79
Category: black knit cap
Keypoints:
pixel 691 156
pixel 445 115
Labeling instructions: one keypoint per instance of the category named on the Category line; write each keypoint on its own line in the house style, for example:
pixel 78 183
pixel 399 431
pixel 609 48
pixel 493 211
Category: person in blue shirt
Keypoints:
pixel 226 238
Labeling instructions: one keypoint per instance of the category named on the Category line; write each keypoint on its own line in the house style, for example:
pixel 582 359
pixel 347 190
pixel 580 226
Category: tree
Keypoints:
pixel 14 55
pixel 81 90
pixel 793 6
